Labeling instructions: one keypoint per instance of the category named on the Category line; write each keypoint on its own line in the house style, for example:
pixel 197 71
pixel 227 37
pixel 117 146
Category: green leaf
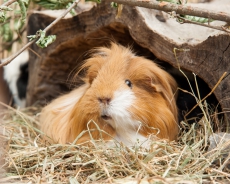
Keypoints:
pixel 5 8
pixel 72 11
pixel 3 14
pixel 6 33
pixel 114 5
pixel 32 37
pixel 171 1
pixel 202 20
pixel 197 19
pixel 44 41
pixel 26 3
pixel 22 20
pixel 96 1
pixel 2 17
pixel 53 4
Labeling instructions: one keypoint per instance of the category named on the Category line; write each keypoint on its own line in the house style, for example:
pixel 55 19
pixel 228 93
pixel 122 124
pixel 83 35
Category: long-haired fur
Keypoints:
pixel 122 94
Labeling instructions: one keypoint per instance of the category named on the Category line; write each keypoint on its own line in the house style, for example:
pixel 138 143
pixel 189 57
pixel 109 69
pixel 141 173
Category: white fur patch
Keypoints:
pixel 125 126
pixel 12 73
pixel 118 109
pixel 133 139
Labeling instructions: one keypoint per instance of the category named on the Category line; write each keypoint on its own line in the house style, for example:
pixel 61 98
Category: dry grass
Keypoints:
pixel 28 159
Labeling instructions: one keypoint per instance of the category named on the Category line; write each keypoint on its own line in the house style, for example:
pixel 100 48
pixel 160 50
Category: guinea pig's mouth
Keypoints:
pixel 105 117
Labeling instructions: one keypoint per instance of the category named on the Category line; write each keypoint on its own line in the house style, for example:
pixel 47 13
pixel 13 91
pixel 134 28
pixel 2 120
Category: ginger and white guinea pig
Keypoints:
pixel 125 97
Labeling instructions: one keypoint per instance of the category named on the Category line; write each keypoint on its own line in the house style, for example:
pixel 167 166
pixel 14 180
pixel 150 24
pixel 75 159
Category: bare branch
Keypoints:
pixel 179 9
pixel 7 3
pixel 8 60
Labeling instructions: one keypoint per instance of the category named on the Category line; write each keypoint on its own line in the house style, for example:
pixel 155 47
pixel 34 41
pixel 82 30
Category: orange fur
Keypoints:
pixel 153 102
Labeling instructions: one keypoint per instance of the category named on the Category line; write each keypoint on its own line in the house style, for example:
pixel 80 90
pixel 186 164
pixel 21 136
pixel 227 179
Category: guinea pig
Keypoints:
pixel 124 97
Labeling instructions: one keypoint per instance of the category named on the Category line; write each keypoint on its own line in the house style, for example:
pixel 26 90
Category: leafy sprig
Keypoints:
pixel 3 10
pixel 53 4
pixel 23 4
pixel 58 4
pixel 181 18
pixel 43 40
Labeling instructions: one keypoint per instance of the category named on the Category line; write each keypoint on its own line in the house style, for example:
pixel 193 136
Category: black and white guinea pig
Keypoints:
pixel 16 76
pixel 127 96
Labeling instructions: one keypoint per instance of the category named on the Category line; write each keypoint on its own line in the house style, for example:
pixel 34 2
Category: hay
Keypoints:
pixel 29 159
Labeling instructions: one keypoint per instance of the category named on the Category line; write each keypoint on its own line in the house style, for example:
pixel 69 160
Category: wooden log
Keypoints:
pixel 205 51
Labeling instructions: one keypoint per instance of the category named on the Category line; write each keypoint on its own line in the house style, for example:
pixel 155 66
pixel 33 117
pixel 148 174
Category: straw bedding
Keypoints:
pixel 29 159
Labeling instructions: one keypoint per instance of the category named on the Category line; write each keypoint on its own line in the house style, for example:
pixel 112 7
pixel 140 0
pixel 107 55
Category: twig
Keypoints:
pixel 219 172
pixel 225 28
pixel 8 2
pixel 213 89
pixel 179 9
pixel 62 16
pixel 8 60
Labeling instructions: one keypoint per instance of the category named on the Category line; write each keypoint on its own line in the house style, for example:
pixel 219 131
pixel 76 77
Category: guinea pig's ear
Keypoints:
pixel 94 64
pixel 156 87
pixel 153 86
pixel 164 89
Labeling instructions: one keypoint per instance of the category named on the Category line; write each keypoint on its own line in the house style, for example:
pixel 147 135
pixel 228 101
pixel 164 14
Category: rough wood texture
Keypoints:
pixel 147 30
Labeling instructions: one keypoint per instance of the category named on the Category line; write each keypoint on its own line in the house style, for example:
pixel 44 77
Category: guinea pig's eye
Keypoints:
pixel 129 83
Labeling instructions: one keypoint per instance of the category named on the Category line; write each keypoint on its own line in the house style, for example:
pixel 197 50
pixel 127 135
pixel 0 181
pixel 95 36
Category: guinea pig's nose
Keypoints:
pixel 105 101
